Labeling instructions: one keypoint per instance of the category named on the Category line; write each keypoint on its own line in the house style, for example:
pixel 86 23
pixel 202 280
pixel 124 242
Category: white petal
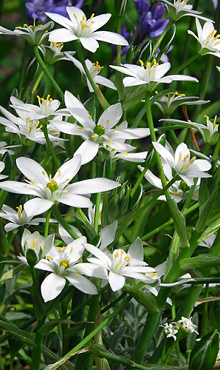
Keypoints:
pixel 93 186
pixel 136 250
pixel 88 150
pixel 81 283
pixel 110 116
pixel 32 170
pixel 37 206
pixel 89 43
pixel 75 200
pixel 52 286
pixel 111 37
pixel 68 170
pixel 92 270
pixel 108 234
pixel 62 35
pixel 18 187
pixel 116 281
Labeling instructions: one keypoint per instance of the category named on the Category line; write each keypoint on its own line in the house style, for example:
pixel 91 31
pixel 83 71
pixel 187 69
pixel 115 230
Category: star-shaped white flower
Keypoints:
pixel 178 190
pixel 180 9
pixel 105 133
pixel 169 103
pixel 94 69
pixel 78 27
pixel 209 132
pixel 208 38
pixel 47 108
pixel 149 74
pixel 118 265
pixel 34 35
pixel 19 218
pixel 47 189
pixel 180 162
pixel 37 244
pixel 63 264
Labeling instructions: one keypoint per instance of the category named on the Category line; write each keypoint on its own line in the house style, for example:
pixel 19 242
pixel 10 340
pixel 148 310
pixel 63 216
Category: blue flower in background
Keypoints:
pixel 36 8
pixel 150 20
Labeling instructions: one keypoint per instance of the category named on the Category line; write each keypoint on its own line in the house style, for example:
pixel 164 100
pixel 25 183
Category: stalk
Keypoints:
pixel 104 103
pixel 63 222
pixel 50 146
pixel 47 73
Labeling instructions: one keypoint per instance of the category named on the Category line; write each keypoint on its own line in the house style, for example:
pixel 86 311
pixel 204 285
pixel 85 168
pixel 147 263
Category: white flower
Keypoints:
pixel 22 125
pixel 2 166
pixel 47 108
pixel 94 70
pixel 105 133
pixel 178 190
pixel 168 104
pixel 150 74
pixel 180 162
pixel 36 243
pixel 78 27
pixel 170 330
pixel 180 9
pixel 63 264
pixel 118 265
pixel 209 131
pixel 48 190
pixel 34 35
pixel 187 325
pixel 209 41
pixel 53 53
pixel 18 218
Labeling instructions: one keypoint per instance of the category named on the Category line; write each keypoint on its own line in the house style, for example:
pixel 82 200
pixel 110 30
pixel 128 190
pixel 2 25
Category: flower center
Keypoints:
pixel 65 264
pixel 99 130
pixel 120 260
pixel 96 68
pixel 52 185
pixel 56 46
pixel 148 66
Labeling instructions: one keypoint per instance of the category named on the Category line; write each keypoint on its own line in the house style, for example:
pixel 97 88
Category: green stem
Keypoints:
pixel 94 332
pixel 216 151
pixel 169 353
pixel 104 103
pixel 160 39
pixel 133 191
pixel 47 224
pixel 50 146
pixel 96 219
pixel 36 86
pixel 63 222
pixel 153 319
pixel 47 73
pixel 179 222
pixel 186 63
pixel 37 350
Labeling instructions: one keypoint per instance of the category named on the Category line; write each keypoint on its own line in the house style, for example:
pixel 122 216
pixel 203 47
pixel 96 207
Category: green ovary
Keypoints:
pixel 52 185
pixel 99 130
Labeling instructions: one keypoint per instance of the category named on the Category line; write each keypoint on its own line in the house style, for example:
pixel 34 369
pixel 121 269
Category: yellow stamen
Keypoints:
pixel 32 181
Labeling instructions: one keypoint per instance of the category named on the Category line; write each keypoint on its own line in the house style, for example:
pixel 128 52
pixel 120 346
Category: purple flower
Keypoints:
pixel 36 8
pixel 150 20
